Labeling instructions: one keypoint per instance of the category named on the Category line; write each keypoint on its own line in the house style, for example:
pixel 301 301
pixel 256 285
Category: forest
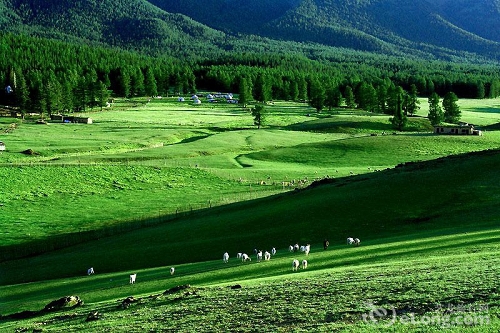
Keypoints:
pixel 47 76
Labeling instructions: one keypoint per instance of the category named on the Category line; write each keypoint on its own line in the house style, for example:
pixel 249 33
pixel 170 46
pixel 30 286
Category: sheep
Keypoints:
pixel 245 257
pixel 307 249
pixel 225 257
pixel 90 271
pixel 295 265
pixel 172 270
pixel 356 241
pixel 238 256
pixel 259 255
pixel 132 278
pixel 273 251
pixel 350 240
pixel 267 256
pixel 290 248
pixel 296 247
pixel 302 248
pixel 304 264
pixel 326 243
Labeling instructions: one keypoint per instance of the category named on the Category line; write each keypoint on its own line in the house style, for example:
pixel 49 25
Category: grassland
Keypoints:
pixel 148 161
pixel 429 230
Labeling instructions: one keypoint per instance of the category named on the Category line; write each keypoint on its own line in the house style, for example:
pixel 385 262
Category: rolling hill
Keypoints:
pixel 397 202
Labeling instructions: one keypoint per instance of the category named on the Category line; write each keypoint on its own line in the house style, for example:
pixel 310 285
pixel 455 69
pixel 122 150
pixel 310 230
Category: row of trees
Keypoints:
pixel 47 76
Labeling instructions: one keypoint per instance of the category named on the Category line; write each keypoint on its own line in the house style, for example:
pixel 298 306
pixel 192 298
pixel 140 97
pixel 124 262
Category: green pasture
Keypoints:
pixel 419 273
pixel 148 161
pixel 153 185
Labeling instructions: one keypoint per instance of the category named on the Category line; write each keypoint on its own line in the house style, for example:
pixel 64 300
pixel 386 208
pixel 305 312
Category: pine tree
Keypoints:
pixel 333 97
pixel 412 102
pixel 399 120
pixel 245 91
pixel 262 88
pixel 258 115
pixel 318 94
pixel 150 86
pixel 435 115
pixel 349 97
pixel 452 111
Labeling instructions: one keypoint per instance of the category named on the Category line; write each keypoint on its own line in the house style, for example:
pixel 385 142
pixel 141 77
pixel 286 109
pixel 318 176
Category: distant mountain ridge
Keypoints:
pixel 128 23
pixel 440 28
pixel 463 25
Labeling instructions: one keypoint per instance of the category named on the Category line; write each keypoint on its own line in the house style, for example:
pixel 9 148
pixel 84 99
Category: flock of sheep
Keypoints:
pixel 260 255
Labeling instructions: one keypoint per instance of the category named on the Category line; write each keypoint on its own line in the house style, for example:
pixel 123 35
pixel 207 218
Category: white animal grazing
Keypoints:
pixel 296 247
pixel 245 257
pixel 273 251
pixel 295 265
pixel 302 248
pixel 132 278
pixel 172 270
pixel 267 256
pixel 307 249
pixel 356 241
pixel 90 271
pixel 259 256
pixel 304 264
pixel 290 248
pixel 350 241
pixel 225 257
pixel 239 255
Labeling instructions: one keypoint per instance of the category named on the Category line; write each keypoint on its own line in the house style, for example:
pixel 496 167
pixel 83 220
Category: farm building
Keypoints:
pixel 460 129
pixel 71 119
pixel 2 146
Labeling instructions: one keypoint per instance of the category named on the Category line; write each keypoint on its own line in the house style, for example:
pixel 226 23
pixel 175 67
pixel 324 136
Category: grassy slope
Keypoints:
pixel 156 159
pixel 394 202
pixel 435 220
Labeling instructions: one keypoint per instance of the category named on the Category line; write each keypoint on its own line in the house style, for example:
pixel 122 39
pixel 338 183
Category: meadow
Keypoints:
pixel 150 185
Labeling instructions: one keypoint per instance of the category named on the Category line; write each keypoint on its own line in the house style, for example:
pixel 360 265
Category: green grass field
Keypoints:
pixel 149 186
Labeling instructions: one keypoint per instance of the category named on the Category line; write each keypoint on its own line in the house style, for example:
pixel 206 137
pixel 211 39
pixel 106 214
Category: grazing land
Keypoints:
pixel 152 185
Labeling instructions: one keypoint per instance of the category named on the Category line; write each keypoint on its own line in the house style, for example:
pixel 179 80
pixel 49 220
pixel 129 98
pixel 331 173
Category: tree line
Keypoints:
pixel 48 76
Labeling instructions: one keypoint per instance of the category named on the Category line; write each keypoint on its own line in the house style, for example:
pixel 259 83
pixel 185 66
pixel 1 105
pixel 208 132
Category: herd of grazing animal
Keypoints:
pixel 259 255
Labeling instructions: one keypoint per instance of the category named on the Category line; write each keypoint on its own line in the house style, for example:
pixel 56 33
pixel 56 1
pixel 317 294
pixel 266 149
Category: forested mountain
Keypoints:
pixel 386 26
pixel 131 24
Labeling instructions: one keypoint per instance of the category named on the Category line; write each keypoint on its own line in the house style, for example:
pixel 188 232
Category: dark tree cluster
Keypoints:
pixel 49 76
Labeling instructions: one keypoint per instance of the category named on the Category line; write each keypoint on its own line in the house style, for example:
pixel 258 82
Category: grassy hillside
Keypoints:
pixel 146 164
pixel 421 253
pixel 389 203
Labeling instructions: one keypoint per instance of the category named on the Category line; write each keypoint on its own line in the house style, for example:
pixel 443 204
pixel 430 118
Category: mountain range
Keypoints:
pixel 425 28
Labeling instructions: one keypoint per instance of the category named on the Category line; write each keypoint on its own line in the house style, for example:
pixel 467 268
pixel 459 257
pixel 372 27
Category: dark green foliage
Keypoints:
pixel 411 104
pixel 317 95
pixel 452 111
pixel 245 91
pixel 262 88
pixel 367 97
pixel 334 97
pixel 435 115
pixel 349 97
pixel 399 120
pixel 259 117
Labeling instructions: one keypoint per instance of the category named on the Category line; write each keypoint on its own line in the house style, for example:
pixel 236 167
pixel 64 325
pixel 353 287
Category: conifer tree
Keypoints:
pixel 452 111
pixel 435 111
